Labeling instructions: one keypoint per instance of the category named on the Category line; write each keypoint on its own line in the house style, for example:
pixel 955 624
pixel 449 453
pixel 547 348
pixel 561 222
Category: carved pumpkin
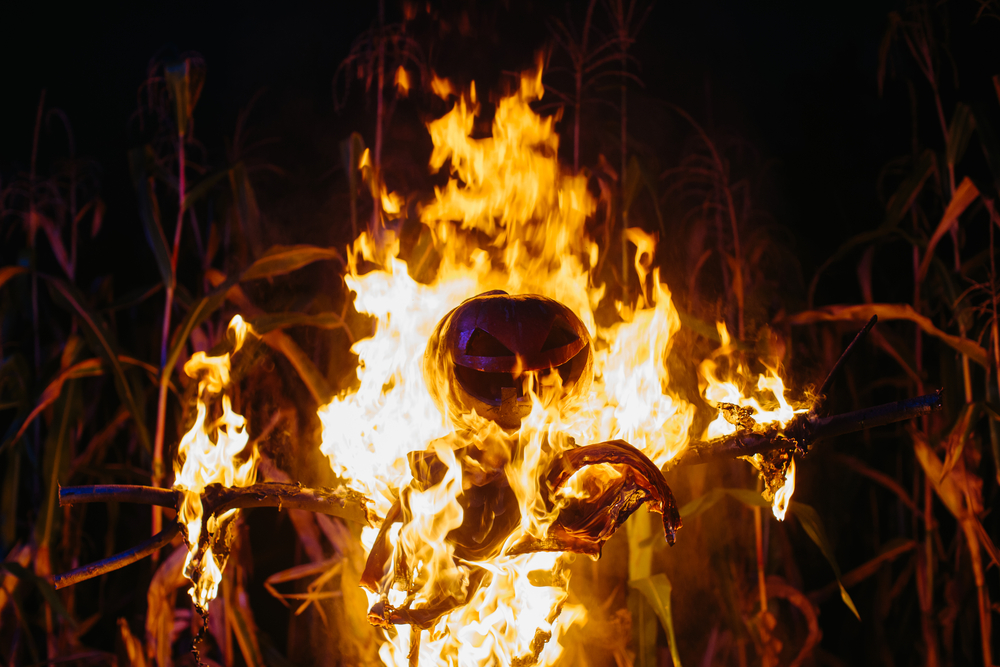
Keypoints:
pixel 478 354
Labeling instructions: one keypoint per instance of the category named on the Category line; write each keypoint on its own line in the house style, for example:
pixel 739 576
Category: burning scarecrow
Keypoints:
pixel 496 429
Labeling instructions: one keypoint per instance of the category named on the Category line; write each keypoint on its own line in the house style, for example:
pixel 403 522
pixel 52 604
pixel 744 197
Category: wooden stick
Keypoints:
pixel 216 499
pixel 800 433
pixel 804 430
pixel 125 493
pixel 343 502
pixel 118 561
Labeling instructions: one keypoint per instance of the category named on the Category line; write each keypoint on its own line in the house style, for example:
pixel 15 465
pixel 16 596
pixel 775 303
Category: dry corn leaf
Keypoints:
pixel 21 555
pixel 285 259
pixel 246 629
pixel 8 272
pixel 160 606
pixel 955 443
pixel 951 488
pixel 965 194
pixel 130 653
pixel 891 311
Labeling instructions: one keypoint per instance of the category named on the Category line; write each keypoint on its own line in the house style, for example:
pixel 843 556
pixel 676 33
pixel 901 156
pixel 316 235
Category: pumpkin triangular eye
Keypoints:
pixel 558 337
pixel 482 344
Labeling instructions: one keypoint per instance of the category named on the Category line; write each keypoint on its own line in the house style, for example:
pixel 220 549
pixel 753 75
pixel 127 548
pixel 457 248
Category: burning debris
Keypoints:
pixel 480 457
pixel 497 428
pixel 208 454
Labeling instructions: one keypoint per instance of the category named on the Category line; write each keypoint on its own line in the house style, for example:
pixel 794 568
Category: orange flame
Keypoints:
pixel 441 87
pixel 717 391
pixel 402 81
pixel 207 454
pixel 509 218
pixel 784 495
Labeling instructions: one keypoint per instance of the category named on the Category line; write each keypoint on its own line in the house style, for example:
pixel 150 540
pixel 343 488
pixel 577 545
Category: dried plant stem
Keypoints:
pixel 159 471
pixel 994 322
pixel 623 39
pixel 42 563
pixel 413 656
pixel 379 120
pixel 759 540
pixel 118 561
pixel 982 593
pixel 32 229
pixel 927 600
pixel 579 66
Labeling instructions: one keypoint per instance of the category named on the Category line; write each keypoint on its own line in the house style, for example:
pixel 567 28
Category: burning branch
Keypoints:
pixel 804 430
pixel 807 428
pixel 801 433
pixel 216 500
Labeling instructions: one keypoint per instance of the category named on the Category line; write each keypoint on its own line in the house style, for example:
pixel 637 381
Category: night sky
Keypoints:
pixel 795 82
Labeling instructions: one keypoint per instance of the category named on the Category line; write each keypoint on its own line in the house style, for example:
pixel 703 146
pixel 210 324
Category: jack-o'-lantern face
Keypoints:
pixel 482 353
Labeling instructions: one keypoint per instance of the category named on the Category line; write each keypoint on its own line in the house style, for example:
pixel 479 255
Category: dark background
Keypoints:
pixel 795 81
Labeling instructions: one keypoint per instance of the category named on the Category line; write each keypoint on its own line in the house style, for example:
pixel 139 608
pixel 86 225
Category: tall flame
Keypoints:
pixel 208 454
pixel 509 218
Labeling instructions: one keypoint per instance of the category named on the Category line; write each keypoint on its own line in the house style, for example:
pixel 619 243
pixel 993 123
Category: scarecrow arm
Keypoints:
pixel 804 430
pixel 216 499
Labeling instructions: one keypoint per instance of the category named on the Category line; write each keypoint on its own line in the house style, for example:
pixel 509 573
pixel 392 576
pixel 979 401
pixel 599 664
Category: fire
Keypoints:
pixel 784 494
pixel 739 410
pixel 402 81
pixel 208 454
pixel 509 218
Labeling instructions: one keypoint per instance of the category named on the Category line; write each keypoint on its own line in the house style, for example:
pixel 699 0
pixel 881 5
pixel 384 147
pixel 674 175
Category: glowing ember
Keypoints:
pixel 208 454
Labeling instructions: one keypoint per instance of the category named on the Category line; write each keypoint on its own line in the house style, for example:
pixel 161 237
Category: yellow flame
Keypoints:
pixel 441 87
pixel 402 81
pixel 783 496
pixel 716 391
pixel 208 454
pixel 391 203
pixel 508 218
